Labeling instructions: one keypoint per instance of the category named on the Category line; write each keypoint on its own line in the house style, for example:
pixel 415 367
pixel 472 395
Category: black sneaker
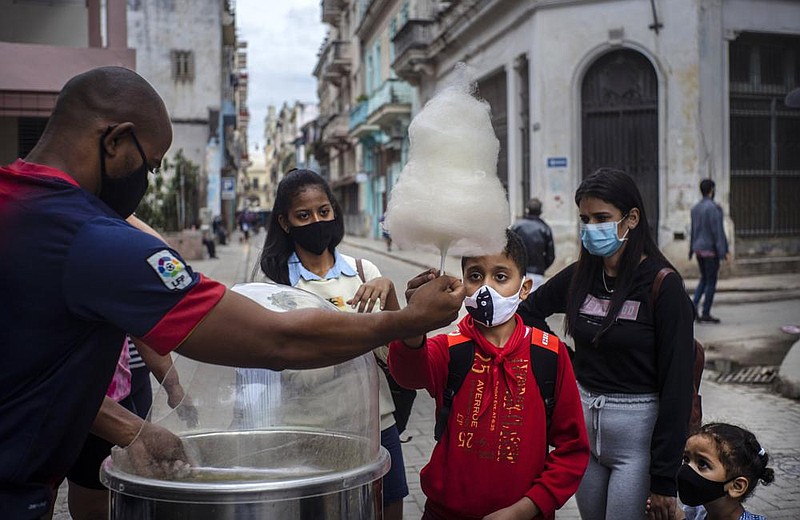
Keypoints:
pixel 708 319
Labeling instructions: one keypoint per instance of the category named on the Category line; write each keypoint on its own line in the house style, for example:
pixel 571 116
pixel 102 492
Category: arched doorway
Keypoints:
pixel 619 122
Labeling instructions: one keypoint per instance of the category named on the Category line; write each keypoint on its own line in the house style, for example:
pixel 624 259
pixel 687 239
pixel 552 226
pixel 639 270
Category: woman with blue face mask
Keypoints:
pixel 633 356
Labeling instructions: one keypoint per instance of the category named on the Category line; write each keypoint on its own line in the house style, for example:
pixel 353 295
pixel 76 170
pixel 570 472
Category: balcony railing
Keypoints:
pixel 331 10
pixel 392 92
pixel 358 114
pixel 415 34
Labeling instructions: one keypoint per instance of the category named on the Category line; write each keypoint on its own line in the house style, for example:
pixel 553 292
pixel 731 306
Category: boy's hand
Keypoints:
pixel 522 509
pixel 419 280
pixel 370 292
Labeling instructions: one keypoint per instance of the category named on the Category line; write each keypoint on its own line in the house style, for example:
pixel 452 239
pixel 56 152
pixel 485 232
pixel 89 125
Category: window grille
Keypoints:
pixel 183 65
pixel 764 135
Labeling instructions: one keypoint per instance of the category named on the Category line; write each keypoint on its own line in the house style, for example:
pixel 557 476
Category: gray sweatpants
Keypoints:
pixel 617 482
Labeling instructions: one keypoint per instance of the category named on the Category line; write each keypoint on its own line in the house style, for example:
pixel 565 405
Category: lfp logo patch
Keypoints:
pixel 170 270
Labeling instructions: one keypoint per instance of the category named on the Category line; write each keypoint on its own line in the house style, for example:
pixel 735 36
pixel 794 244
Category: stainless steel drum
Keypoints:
pixel 288 474
pixel 260 444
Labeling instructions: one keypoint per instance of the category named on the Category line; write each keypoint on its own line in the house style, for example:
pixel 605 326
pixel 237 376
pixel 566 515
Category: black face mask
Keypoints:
pixel 696 490
pixel 315 237
pixel 123 195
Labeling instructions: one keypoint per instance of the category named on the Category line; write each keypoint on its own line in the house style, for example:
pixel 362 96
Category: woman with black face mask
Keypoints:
pixel 304 229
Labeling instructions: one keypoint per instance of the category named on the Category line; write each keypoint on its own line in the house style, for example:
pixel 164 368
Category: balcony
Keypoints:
pixel 334 62
pixel 332 10
pixel 389 103
pixel 411 50
pixel 335 133
pixel 357 124
pixel 338 62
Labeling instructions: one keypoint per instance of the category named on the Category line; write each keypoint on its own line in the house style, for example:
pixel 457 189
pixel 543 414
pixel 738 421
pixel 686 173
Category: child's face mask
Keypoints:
pixel 695 490
pixel 490 308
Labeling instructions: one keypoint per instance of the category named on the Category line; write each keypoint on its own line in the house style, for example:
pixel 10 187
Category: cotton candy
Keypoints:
pixel 448 197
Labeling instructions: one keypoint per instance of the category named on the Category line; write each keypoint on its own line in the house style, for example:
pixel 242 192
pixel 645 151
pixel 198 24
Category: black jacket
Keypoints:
pixel 538 240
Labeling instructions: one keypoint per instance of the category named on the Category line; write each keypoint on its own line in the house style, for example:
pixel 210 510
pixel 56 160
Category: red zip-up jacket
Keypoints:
pixel 494 449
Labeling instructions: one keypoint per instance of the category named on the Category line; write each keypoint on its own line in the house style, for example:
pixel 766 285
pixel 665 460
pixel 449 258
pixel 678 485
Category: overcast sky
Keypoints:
pixel 283 38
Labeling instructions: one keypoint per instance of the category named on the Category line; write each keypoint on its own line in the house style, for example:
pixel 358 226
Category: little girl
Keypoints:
pixel 722 465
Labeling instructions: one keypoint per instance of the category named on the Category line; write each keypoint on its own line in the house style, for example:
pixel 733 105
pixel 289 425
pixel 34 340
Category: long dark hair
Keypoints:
pixel 618 189
pixel 279 246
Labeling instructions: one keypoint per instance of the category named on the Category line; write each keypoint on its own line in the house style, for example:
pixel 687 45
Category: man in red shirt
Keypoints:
pixel 75 277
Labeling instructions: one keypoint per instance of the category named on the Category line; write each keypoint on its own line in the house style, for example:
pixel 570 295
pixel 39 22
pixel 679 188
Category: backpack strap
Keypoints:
pixel 360 270
pixel 544 361
pixel 657 286
pixel 462 352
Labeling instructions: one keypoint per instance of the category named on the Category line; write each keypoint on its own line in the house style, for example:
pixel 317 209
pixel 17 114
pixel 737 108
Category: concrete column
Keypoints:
pixel 95 38
pixel 514 151
pixel 117 23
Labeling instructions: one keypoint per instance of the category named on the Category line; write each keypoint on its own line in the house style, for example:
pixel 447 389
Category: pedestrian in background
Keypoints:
pixel 709 245
pixel 633 356
pixel 538 239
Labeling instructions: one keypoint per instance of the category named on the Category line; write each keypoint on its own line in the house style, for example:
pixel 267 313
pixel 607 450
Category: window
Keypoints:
pixel 255 183
pixel 764 135
pixel 183 65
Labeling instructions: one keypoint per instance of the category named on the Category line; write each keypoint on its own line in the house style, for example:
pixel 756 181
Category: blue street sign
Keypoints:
pixel 228 188
pixel 556 162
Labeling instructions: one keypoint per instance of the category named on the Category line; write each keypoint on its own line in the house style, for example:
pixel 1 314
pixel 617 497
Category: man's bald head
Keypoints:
pixel 109 95
pixel 107 118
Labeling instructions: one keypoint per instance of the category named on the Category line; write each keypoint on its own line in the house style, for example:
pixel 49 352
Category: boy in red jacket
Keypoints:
pixel 492 460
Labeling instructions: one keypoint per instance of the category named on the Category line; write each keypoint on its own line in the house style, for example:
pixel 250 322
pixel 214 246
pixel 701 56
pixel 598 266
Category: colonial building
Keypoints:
pixel 360 92
pixel 672 92
pixel 189 52
pixel 42 45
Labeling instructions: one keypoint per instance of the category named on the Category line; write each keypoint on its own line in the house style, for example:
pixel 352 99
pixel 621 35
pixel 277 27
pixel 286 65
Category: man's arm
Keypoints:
pixel 240 332
pixel 116 424
pixel 550 253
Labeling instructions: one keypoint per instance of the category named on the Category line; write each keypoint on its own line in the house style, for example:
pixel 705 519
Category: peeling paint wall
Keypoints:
pixel 562 40
pixel 155 29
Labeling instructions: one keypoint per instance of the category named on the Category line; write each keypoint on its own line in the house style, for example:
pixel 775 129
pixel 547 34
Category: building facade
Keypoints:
pixel 670 94
pixel 190 53
pixel 42 45
pixel 365 107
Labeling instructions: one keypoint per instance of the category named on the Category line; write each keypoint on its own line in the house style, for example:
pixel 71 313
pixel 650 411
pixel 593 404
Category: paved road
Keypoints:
pixel 774 419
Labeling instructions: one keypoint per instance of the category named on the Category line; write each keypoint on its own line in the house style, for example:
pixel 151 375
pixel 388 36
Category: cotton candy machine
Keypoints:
pixel 257 444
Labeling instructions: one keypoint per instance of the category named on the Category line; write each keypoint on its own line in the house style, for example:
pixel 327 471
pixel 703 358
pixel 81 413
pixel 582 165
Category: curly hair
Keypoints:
pixel 740 454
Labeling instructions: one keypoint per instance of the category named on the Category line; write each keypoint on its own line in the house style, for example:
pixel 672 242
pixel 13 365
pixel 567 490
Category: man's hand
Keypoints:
pixel 661 507
pixel 182 403
pixel 728 256
pixel 371 292
pixel 436 303
pixel 156 453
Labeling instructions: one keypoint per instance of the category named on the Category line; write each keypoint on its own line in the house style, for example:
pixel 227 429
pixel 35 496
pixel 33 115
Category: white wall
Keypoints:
pixel 155 28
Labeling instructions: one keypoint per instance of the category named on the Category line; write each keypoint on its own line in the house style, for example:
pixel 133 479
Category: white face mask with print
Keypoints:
pixel 490 308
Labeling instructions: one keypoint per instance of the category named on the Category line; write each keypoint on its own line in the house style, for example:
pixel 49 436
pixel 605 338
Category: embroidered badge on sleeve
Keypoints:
pixel 170 270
